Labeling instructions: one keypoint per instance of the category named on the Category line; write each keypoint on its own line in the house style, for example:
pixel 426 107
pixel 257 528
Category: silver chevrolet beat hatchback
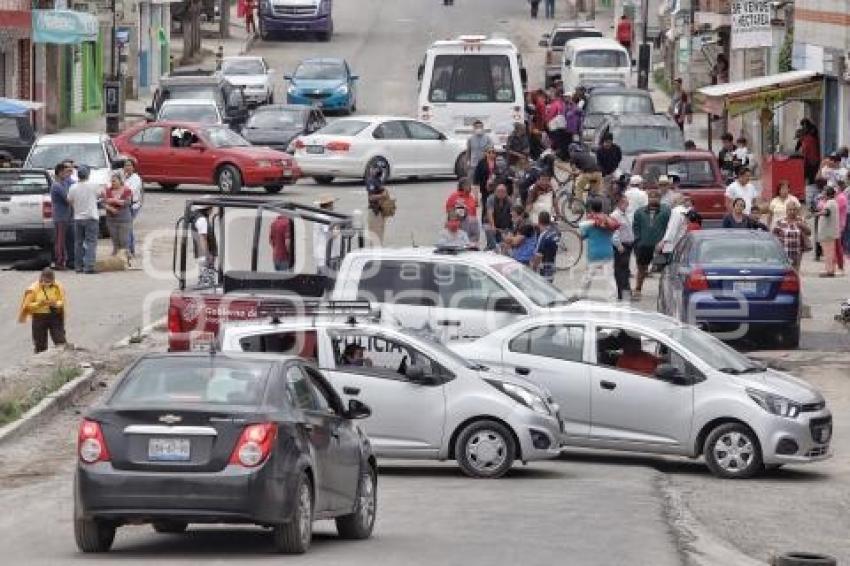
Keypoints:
pixel 427 402
pixel 637 381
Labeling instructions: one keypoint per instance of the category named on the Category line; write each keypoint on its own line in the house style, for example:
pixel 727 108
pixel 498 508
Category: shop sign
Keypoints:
pixel 63 26
pixel 751 24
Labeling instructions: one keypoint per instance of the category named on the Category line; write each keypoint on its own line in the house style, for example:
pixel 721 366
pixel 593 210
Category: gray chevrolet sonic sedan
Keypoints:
pixel 216 438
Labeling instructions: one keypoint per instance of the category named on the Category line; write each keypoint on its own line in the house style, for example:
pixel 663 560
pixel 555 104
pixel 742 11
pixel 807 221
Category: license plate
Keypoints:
pixel 470 120
pixel 168 449
pixel 8 236
pixel 315 149
pixel 746 286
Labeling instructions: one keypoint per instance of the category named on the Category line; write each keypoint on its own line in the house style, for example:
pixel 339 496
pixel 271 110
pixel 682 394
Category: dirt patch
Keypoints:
pixel 20 464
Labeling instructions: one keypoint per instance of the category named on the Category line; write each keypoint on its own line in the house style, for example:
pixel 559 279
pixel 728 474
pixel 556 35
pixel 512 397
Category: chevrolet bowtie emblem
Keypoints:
pixel 170 419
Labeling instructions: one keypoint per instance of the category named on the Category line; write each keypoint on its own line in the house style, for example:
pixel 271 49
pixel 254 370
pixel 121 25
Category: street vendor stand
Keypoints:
pixel 765 95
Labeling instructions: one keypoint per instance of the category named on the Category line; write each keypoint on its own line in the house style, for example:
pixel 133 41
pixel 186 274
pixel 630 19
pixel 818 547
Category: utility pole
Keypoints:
pixel 644 50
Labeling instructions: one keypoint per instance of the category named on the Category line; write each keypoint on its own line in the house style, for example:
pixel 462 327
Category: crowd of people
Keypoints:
pixel 76 202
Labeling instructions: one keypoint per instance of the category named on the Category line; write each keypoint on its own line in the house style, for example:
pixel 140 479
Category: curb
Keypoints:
pixel 147 330
pixel 48 407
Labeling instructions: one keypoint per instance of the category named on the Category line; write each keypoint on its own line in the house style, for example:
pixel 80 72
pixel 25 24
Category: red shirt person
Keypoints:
pixel 635 359
pixel 624 32
pixel 463 196
pixel 280 239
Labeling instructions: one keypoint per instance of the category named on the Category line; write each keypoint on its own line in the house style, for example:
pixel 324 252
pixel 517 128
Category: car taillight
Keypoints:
pixel 175 320
pixel 299 144
pixel 790 283
pixel 46 209
pixel 696 281
pixel 254 445
pixel 91 446
pixel 338 146
pixel 517 114
pixel 426 113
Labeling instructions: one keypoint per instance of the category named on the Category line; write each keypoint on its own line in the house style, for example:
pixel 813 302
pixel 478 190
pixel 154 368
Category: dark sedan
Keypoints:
pixel 215 438
pixel 734 283
pixel 276 125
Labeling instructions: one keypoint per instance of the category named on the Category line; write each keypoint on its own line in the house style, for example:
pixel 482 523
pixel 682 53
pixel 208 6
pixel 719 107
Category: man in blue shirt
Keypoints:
pixel 547 247
pixel 599 230
pixel 63 218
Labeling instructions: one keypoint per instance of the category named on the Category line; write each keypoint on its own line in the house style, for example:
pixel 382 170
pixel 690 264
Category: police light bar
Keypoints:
pixel 472 38
pixel 298 307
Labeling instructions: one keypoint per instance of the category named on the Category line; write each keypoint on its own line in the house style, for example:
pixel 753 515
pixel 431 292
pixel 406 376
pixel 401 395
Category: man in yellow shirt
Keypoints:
pixel 44 301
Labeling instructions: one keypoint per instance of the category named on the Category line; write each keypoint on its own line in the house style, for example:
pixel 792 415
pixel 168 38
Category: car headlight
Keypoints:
pixel 522 396
pixel 775 404
pixel 264 163
pixel 342 89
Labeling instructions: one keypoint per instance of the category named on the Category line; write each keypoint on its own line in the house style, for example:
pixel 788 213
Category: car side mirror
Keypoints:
pixel 523 75
pixel 566 62
pixel 442 137
pixel 358 410
pixel 355 77
pixel 543 42
pixel 198 145
pixel 508 305
pixel 149 117
pixel 420 71
pixel 634 62
pixel 671 374
pixel 287 77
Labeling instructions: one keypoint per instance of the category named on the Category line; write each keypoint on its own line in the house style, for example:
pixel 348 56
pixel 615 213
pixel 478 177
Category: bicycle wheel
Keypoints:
pixel 570 249
pixel 572 210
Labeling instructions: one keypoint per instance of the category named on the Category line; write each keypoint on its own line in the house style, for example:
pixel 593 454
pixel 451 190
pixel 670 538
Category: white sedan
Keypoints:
pixel 401 147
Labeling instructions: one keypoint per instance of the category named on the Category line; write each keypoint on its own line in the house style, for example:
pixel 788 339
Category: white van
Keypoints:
pixel 595 61
pixel 472 78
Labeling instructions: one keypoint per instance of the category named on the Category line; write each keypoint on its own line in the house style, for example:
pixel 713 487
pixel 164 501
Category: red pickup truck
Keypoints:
pixel 698 173
pixel 241 283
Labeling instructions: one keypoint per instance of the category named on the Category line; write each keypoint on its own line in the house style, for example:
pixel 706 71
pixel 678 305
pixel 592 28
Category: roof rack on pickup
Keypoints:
pixel 275 309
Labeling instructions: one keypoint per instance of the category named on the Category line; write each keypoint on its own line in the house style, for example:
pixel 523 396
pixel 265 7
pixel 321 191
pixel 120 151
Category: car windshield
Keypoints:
pixel 320 70
pixel 712 351
pixel 690 172
pixel 193 381
pixel 243 67
pixel 647 139
pixel 275 119
pixel 472 78
pixel 23 183
pixel 740 251
pixel 601 59
pixel 200 113
pixel 344 128
pixel 562 37
pixel 541 292
pixel 619 104
pixel 47 156
pixel 224 137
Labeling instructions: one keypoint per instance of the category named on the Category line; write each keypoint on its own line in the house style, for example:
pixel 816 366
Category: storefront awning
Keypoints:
pixel 762 92
pixel 63 26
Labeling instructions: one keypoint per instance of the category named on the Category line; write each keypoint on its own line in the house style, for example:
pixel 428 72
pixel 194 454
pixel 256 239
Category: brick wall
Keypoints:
pixel 716 6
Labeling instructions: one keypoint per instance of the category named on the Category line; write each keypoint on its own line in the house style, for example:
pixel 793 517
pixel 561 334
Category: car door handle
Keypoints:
pixel 609 385
pixel 522 370
pixel 351 390
pixel 445 322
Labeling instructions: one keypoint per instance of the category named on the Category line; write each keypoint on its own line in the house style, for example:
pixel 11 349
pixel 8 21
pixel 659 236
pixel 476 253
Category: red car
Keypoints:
pixel 172 153
pixel 699 177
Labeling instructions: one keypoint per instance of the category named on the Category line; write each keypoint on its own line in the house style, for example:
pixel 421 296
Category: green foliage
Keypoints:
pixel 785 52
pixel 12 409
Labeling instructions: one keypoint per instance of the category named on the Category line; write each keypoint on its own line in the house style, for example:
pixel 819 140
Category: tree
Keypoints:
pixel 191 25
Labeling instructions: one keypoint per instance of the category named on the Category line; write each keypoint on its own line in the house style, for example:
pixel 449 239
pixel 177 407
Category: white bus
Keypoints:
pixel 472 78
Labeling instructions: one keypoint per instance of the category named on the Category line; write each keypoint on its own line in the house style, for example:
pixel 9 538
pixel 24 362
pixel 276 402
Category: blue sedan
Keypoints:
pixel 327 83
pixel 734 283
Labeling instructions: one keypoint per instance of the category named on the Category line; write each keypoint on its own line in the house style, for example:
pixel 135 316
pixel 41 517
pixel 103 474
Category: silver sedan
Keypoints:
pixel 628 380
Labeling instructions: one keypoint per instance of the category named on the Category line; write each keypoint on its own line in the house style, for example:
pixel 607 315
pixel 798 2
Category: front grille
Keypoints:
pixel 294 11
pixel 817 452
pixel 821 429
pixel 813 407
pixel 317 95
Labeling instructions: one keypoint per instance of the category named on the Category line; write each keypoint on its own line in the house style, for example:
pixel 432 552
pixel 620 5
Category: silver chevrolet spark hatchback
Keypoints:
pixel 636 381
pixel 427 402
